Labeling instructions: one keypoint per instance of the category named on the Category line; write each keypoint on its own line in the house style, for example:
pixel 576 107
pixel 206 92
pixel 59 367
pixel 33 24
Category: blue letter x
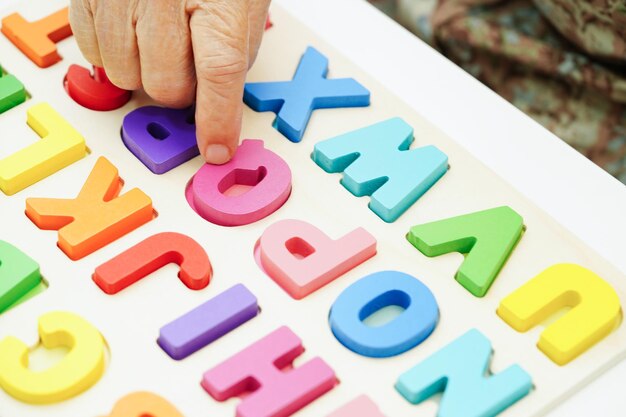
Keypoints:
pixel 294 101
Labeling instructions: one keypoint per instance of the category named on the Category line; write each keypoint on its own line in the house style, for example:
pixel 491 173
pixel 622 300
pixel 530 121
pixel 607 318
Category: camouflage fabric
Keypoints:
pixel 563 62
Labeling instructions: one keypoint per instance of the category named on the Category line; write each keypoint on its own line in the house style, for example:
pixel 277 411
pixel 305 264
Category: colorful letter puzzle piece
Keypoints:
pixel 19 274
pixel 97 217
pixel 12 91
pixel 60 145
pixel 596 310
pixel 160 138
pixel 302 259
pixel 77 371
pixel 151 254
pixel 275 393
pixel 144 404
pixel 37 39
pixel 208 322
pixel 487 237
pixel 459 371
pixel 94 91
pixel 294 101
pixel 376 161
pixel 361 406
pixel 374 292
pixel 253 165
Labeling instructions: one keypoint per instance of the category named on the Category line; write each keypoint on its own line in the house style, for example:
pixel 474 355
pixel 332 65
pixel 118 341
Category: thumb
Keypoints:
pixel 219 35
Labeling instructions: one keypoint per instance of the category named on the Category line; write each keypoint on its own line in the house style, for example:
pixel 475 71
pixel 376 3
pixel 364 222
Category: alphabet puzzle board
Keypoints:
pixel 130 320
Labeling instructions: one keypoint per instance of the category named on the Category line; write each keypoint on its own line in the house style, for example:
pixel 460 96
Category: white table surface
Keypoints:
pixel 573 190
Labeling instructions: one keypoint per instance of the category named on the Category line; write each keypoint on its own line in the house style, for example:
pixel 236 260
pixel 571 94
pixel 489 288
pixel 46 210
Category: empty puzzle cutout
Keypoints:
pixel 257 372
pixel 294 101
pixel 94 90
pixel 37 40
pixel 81 368
pixel 266 173
pixel 376 161
pixel 96 217
pixel 301 258
pixel 151 254
pixel 596 310
pixel 161 138
pixel 461 371
pixel 144 404
pixel 487 237
pixel 60 145
pixel 12 91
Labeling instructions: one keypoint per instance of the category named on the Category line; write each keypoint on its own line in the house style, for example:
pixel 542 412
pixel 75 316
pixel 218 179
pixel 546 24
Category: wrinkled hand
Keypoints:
pixel 178 51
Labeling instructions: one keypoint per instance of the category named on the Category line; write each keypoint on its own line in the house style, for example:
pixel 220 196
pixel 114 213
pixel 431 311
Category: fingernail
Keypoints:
pixel 217 154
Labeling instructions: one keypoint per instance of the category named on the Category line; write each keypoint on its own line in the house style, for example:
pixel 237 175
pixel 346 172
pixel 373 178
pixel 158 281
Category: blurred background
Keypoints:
pixel 562 62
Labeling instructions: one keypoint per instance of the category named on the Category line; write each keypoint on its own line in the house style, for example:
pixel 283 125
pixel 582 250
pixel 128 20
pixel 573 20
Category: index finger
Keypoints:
pixel 219 35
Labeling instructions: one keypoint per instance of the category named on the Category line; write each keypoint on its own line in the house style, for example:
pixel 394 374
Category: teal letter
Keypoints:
pixel 376 161
pixel 459 371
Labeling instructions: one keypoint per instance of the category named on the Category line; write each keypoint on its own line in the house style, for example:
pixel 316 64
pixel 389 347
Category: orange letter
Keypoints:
pixel 144 404
pixel 96 217
pixel 37 39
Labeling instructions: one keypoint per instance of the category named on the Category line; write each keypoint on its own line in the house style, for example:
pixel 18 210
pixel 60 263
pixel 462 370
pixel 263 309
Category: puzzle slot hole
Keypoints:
pixel 41 358
pixel 240 181
pixel 385 308
pixel 158 131
pixel 564 303
pixel 299 248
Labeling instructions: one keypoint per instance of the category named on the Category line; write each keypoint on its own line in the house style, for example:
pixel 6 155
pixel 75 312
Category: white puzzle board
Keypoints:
pixel 130 320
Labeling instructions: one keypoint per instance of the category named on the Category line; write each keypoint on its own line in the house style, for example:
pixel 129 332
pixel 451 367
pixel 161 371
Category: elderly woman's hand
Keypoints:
pixel 179 51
